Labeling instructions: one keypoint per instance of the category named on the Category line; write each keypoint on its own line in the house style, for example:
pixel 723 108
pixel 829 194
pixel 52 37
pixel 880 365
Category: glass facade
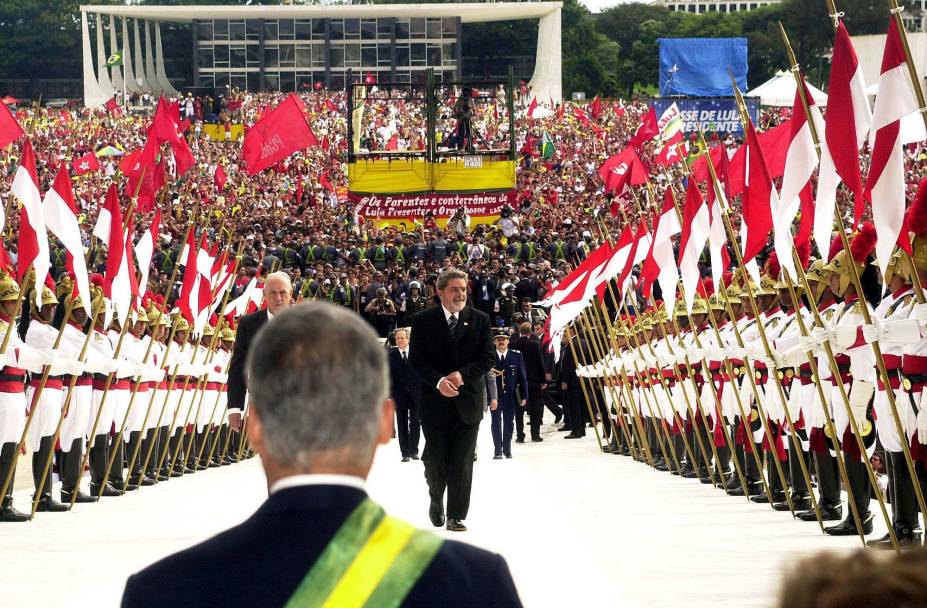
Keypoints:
pixel 294 54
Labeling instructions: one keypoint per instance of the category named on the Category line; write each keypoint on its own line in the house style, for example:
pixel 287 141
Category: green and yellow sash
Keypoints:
pixel 373 560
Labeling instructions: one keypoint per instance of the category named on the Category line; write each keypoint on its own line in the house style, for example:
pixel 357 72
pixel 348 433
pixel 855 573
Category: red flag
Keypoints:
pixel 326 145
pixel 624 168
pixel 10 130
pixel 696 222
pixel 299 190
pixel 647 130
pixel 670 153
pixel 112 107
pixel 532 107
pixel 85 164
pixel 759 198
pixel 276 136
pixel 331 105
pixel 33 236
pixel 114 260
pixel 596 108
pixel 219 178
pixel 165 129
pixel 581 115
pixel 560 110
pixel 326 183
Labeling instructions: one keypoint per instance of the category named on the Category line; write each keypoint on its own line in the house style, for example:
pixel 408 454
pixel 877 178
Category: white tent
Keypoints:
pixel 780 91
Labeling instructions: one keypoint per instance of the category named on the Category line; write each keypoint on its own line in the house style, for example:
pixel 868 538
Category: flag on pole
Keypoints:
pixel 220 178
pixel 670 123
pixel 695 228
pixel 759 197
pixel 117 285
pixel 33 239
pixel 891 130
pixel 105 215
pixel 596 108
pixel 800 163
pixel 848 121
pixel 546 146
pixel 532 107
pixel 660 263
pixel 85 164
pixel 144 252
pixel 277 135
pixel 189 258
pixel 61 220
pixel 114 60
pixel 647 130
pixel 639 249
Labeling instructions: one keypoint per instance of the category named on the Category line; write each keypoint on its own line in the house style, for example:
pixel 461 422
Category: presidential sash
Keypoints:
pixel 373 560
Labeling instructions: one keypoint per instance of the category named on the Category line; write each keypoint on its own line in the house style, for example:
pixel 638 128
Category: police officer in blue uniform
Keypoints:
pixel 512 387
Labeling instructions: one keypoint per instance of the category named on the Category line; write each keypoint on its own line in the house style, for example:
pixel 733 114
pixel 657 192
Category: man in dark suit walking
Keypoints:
pixel 278 290
pixel 404 389
pixel 573 397
pixel 451 349
pixel 317 417
pixel 530 350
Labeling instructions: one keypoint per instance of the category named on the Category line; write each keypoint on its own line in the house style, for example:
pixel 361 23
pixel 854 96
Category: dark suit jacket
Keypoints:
pixel 530 350
pixel 405 385
pixel 247 329
pixel 434 355
pixel 260 562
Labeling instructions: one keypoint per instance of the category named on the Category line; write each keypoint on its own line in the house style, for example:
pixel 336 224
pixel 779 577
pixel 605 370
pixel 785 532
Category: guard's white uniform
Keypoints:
pixel 77 422
pixel 48 406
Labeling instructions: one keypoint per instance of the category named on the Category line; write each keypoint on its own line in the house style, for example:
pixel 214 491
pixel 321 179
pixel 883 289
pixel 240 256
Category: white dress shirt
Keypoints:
pixel 296 481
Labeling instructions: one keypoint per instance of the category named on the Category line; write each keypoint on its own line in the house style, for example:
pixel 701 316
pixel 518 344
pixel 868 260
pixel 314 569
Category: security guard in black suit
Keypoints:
pixel 405 390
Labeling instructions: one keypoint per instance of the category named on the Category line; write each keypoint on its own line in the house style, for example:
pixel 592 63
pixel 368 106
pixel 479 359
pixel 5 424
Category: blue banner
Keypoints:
pixel 717 114
pixel 701 67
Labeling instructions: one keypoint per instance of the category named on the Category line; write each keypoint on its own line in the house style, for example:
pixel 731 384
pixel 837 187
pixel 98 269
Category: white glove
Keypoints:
pixel 30 359
pixel 922 426
pixel 75 367
pixel 735 352
pixel 822 334
pixel 59 364
pixel 845 336
pixel 808 344
pixel 872 333
pixel 919 313
pixel 860 394
pixel 901 331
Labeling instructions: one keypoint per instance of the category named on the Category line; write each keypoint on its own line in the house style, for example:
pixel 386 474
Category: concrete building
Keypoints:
pixel 714 6
pixel 291 47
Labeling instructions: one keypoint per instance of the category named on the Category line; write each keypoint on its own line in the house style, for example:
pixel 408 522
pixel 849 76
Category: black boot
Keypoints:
pixel 830 511
pixel 10 514
pixel 47 504
pixel 66 496
pixel 907 538
pixel 800 502
pixel 777 496
pixel 848 526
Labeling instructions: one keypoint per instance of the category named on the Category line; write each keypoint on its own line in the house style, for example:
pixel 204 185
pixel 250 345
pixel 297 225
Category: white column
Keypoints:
pixel 93 94
pixel 159 62
pixel 102 73
pixel 127 54
pixel 150 74
pixel 115 71
pixel 139 61
pixel 547 82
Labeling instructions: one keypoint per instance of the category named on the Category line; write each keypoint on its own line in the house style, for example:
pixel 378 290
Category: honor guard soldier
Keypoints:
pixel 120 391
pixel 219 375
pixel 895 330
pixel 77 420
pixel 134 349
pixel 16 360
pixel 174 365
pixel 512 388
pixel 41 336
pixel 856 364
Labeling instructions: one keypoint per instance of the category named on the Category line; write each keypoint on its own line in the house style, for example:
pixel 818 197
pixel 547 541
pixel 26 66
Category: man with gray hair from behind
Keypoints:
pixel 318 385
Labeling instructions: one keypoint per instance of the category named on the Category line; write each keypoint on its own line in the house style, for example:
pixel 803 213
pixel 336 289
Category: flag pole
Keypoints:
pixel 867 318
pixel 162 308
pixel 705 363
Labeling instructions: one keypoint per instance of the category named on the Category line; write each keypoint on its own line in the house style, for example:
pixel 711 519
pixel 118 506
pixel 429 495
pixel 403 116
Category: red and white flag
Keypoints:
pixel 639 250
pixel 660 263
pixel 144 252
pixel 895 122
pixel 85 164
pixel 202 304
pixel 105 215
pixel 33 238
pixel 717 235
pixel 277 135
pixel 695 227
pixel 117 284
pixel 848 121
pixel 61 220
pixel 188 292
pixel 800 163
